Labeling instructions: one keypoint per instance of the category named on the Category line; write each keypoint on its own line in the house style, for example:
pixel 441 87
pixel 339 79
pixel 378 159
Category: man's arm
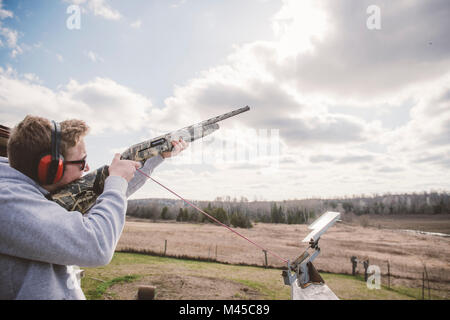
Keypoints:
pixel 33 228
pixel 139 179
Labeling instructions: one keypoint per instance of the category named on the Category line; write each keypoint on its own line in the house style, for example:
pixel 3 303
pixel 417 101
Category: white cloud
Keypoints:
pixel 301 119
pixel 297 25
pixel 296 88
pixel 178 4
pixel 98 8
pixel 32 78
pixel 425 139
pixel 136 24
pixel 94 57
pixel 348 60
pixel 5 13
pixel 103 103
pixel 101 8
pixel 11 37
pixel 59 57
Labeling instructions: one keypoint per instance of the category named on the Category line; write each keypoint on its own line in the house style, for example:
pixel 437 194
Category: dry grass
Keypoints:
pixel 434 223
pixel 406 252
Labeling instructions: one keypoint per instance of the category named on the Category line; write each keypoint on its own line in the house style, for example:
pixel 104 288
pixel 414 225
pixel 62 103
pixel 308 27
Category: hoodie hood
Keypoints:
pixel 10 176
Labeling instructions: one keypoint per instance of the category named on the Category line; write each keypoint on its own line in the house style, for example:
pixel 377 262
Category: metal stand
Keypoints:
pixel 306 283
pixel 302 268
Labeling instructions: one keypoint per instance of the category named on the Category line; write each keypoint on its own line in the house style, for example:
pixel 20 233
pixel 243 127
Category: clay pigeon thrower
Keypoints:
pixel 302 268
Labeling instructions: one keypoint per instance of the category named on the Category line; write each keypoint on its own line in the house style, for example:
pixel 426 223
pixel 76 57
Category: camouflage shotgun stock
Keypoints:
pixel 81 194
pixel 4 135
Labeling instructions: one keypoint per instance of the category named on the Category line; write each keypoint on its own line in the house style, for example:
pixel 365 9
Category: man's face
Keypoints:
pixel 73 171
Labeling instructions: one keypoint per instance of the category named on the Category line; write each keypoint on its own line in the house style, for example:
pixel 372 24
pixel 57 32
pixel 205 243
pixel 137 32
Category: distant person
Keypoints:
pixel 40 241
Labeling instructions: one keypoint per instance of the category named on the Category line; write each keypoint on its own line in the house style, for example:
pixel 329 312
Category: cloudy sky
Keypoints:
pixel 347 97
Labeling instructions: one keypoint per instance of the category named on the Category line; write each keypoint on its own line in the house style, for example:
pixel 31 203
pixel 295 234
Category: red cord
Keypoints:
pixel 214 219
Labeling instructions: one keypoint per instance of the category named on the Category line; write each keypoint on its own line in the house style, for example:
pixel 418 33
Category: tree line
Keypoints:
pixel 233 218
pixel 242 213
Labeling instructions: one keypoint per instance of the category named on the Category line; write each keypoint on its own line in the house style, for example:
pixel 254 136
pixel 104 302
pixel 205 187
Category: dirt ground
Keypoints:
pixel 185 287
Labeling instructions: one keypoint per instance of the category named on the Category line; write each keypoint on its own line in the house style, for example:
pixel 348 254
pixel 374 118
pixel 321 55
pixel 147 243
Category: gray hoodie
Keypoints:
pixel 41 242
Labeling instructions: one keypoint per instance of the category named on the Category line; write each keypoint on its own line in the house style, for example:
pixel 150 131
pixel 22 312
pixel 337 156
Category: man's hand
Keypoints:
pixel 123 168
pixel 178 146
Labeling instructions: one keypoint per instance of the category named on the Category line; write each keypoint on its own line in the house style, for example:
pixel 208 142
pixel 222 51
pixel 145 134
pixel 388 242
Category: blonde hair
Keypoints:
pixel 31 139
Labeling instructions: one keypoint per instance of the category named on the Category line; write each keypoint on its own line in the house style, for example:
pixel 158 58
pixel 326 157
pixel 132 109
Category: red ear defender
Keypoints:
pixel 44 171
pixel 51 165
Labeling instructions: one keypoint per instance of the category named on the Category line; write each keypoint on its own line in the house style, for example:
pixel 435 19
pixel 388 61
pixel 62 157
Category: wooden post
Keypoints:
pixel 265 258
pixel 165 247
pixel 354 264
pixel 423 285
pixel 216 252
pixel 428 280
pixel 389 275
pixel 146 293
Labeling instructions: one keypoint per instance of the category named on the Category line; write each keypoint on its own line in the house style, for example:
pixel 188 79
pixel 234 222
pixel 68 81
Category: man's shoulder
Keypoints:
pixel 13 181
pixel 4 161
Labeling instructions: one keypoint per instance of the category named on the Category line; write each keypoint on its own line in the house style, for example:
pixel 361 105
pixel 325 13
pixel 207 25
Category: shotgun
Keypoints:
pixel 4 135
pixel 81 194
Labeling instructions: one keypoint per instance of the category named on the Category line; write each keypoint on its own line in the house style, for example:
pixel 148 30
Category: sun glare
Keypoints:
pixel 296 24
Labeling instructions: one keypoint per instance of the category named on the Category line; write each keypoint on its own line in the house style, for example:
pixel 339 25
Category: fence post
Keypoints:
pixel 265 258
pixel 354 264
pixel 165 247
pixel 389 275
pixel 423 285
pixel 428 280
pixel 216 252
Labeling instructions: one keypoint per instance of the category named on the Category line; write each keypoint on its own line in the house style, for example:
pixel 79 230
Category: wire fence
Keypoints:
pixel 417 283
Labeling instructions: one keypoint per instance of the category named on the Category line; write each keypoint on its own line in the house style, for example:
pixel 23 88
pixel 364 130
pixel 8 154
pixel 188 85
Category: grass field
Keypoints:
pixel 177 279
pixel 409 255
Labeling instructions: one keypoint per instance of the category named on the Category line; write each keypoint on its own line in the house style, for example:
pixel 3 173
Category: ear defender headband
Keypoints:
pixel 51 166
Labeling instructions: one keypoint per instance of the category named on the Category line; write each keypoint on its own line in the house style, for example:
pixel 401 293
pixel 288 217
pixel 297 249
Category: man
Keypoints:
pixel 41 241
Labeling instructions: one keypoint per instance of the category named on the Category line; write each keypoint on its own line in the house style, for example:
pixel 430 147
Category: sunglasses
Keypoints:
pixel 81 162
